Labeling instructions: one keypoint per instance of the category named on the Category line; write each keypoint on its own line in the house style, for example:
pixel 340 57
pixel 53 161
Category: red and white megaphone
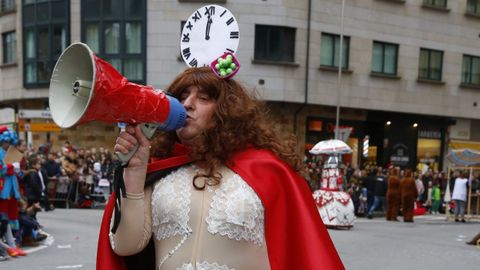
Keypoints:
pixel 85 88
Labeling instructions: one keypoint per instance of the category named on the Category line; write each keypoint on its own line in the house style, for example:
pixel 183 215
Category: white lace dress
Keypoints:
pixel 219 228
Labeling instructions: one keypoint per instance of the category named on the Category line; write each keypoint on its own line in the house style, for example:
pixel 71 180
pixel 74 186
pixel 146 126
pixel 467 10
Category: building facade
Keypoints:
pixel 410 76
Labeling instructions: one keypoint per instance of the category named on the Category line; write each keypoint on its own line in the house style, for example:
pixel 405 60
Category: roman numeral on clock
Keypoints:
pixel 230 21
pixel 223 13
pixel 186 37
pixel 194 62
pixel 186 53
pixel 197 16
pixel 209 11
pixel 234 34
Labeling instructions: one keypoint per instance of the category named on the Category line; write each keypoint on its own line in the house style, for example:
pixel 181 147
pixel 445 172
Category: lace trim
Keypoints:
pixel 171 252
pixel 171 205
pixel 204 266
pixel 236 212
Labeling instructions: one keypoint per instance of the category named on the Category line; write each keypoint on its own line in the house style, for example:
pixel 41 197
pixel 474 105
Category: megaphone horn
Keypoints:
pixel 84 88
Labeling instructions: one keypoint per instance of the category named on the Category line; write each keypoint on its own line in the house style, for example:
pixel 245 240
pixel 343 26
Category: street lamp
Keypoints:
pixel 339 84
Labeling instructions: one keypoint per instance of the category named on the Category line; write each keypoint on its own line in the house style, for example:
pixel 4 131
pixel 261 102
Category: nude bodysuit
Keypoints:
pixel 218 228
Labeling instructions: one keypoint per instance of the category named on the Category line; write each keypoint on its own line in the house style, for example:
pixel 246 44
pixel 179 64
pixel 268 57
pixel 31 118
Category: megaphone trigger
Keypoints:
pixel 148 130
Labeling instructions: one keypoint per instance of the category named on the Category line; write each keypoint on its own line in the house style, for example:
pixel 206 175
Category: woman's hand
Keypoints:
pixel 134 174
pixel 127 140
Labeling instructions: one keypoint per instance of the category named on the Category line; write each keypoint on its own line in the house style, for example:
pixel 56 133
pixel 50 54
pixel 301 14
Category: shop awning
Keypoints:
pixel 458 144
pixel 464 157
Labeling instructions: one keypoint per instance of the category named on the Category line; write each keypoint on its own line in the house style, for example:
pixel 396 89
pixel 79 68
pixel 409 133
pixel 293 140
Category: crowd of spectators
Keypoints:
pixel 69 177
pixel 368 187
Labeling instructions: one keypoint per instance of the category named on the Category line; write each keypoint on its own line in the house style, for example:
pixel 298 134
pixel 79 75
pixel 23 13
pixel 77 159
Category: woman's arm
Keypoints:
pixel 134 229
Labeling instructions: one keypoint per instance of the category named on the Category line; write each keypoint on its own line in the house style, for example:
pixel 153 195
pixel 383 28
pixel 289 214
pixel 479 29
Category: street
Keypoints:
pixel 429 243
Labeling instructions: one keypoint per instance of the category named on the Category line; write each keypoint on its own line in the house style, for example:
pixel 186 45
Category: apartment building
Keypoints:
pixel 409 85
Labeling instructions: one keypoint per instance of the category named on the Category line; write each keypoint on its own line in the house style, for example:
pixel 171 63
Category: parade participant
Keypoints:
pixel 393 195
pixel 459 195
pixel 9 188
pixel 234 200
pixel 409 196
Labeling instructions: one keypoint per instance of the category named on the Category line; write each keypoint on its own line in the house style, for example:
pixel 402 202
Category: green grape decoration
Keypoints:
pixel 225 66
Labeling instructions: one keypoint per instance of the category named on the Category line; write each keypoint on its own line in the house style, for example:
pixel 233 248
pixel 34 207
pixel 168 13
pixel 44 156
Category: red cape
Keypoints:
pixel 295 235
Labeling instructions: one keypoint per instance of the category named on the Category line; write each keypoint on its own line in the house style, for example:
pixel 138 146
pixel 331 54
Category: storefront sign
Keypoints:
pixel 38 127
pixel 315 125
pixel 400 156
pixel 461 129
pixel 430 134
pixel 331 127
pixel 27 114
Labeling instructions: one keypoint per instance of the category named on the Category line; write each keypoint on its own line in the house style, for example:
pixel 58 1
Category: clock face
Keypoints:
pixel 208 33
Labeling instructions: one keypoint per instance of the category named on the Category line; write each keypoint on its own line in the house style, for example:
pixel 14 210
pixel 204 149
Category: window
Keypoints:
pixel 384 58
pixel 46 33
pixel 435 3
pixel 473 7
pixel 329 50
pixel 274 43
pixel 471 70
pixel 7 5
pixel 430 67
pixel 9 42
pixel 116 31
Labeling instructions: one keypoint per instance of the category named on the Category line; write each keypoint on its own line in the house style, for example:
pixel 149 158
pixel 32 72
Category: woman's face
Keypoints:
pixel 200 109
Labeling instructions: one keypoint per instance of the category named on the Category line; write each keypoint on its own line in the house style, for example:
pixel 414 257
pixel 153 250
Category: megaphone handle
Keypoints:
pixel 148 130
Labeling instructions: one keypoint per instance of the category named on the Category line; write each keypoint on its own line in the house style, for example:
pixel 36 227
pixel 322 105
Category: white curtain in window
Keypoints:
pixel 336 55
pixel 471 5
pixel 336 49
pixel 346 45
pixel 390 59
pixel 91 37
pixel 13 47
pixel 64 39
pixel 7 5
pixel 133 34
pixel 31 73
pixel 476 70
pixel 436 65
pixel 326 51
pixel 133 69
pixel 423 65
pixel 377 57
pixel 112 38
pixel 466 75
pixel 30 43
pixel 10 53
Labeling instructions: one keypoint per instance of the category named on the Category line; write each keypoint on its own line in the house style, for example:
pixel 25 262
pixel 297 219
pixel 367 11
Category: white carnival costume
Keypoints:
pixel 335 206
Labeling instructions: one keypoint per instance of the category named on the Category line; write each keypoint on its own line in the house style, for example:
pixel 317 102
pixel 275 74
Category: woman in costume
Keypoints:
pixel 230 198
pixel 9 190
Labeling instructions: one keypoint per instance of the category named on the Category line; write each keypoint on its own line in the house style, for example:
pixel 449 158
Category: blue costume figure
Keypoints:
pixel 9 187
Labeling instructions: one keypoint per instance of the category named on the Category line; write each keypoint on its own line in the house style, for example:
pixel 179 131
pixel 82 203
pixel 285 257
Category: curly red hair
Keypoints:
pixel 240 120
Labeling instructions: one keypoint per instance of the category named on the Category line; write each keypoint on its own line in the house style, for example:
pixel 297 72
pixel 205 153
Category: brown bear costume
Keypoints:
pixel 393 195
pixel 409 196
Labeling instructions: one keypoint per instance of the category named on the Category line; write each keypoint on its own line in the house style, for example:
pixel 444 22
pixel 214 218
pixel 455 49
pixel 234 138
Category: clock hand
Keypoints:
pixel 207 30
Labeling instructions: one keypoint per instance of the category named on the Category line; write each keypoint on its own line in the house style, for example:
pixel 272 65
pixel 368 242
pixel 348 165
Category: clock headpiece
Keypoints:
pixel 210 37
